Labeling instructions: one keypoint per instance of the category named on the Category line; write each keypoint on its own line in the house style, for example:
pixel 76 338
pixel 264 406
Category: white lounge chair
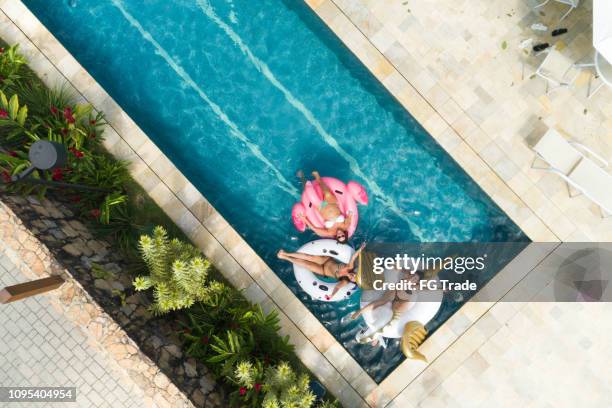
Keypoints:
pixel 569 161
pixel 558 70
pixel 572 3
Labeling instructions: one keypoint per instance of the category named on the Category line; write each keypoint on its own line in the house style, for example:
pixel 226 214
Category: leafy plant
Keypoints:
pixel 177 272
pixel 274 387
pixel 11 64
pixel 225 329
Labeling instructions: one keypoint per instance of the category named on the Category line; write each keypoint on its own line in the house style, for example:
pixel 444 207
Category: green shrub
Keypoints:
pixel 274 387
pixel 11 64
pixel 225 329
pixel 177 272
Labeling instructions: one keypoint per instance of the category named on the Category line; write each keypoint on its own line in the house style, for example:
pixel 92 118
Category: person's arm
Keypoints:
pixel 322 232
pixel 339 286
pixel 351 263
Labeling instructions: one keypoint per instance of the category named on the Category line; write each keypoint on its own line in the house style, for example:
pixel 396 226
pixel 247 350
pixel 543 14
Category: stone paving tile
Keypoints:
pixel 29 359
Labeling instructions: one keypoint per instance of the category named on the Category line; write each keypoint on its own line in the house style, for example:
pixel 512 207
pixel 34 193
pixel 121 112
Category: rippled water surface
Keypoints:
pixel 240 94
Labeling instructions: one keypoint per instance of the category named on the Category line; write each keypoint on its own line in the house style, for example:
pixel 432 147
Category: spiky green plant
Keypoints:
pixel 177 272
pixel 284 388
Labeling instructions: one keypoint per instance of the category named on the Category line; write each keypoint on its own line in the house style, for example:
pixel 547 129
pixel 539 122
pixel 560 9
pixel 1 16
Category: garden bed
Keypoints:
pixel 219 345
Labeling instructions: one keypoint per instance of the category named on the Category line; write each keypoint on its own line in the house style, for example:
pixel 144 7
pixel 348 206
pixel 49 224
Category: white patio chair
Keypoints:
pixel 572 3
pixel 569 161
pixel 558 70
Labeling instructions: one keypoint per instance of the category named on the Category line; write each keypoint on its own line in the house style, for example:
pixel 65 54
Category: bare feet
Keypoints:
pixel 281 254
pixel 316 175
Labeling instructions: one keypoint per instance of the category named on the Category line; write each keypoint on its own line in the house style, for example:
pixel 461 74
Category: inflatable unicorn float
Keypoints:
pixel 381 322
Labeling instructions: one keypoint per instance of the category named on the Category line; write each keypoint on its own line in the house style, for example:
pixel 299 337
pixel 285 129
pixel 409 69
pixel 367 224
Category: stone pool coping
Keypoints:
pixel 315 346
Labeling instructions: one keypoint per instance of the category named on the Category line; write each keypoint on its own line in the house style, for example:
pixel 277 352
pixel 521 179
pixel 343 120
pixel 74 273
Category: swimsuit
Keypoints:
pixel 339 265
pixel 330 223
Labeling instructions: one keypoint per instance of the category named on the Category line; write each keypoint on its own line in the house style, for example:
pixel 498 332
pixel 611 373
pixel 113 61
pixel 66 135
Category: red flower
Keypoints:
pixel 3 114
pixel 204 340
pixel 92 135
pixel 95 213
pixel 1 50
pixel 68 115
pixel 257 387
pixel 64 131
pixel 13 153
pixel 92 122
pixel 57 175
pixel 6 176
pixel 53 110
pixel 242 390
pixel 75 199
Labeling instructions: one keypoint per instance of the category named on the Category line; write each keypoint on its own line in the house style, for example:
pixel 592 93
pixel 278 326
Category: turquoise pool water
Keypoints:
pixel 240 94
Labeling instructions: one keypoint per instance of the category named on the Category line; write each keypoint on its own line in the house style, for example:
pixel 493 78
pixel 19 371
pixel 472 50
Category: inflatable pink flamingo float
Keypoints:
pixel 348 195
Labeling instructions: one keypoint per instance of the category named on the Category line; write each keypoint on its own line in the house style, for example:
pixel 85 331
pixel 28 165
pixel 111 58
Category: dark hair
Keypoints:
pixel 344 278
pixel 345 238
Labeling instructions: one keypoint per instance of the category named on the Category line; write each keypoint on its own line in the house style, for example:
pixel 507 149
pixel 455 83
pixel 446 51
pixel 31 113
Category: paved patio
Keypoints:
pixel 41 347
pixel 463 58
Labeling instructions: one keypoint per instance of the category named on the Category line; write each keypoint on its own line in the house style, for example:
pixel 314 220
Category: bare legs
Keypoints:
pixel 327 193
pixel 313 263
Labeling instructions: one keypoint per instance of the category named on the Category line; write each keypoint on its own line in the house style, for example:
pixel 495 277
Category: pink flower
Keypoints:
pixel 257 387
pixel 53 110
pixel 242 390
pixel 3 114
pixel 95 213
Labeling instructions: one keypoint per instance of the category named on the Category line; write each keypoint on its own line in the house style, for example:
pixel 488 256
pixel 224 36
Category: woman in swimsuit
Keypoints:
pixel 336 224
pixel 325 266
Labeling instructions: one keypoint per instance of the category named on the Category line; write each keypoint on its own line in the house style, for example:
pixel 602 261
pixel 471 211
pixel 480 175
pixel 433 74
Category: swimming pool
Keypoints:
pixel 241 94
